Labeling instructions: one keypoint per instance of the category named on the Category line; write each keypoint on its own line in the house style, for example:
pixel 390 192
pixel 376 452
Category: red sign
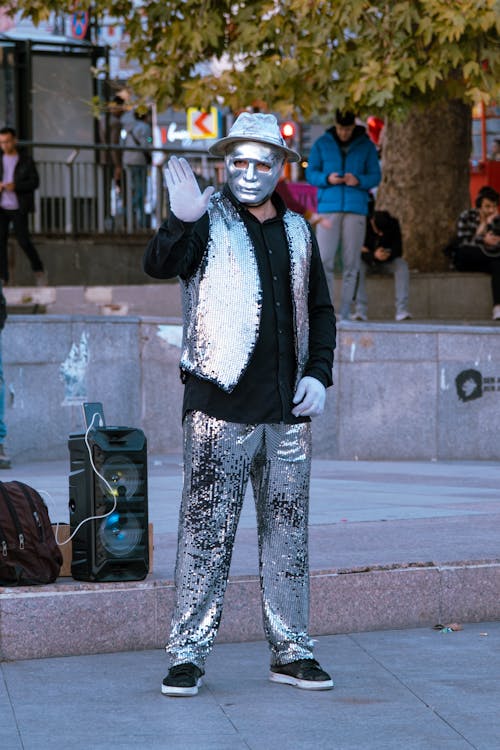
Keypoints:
pixel 80 24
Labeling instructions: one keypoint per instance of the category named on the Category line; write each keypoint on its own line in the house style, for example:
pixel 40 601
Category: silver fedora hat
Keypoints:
pixel 254 127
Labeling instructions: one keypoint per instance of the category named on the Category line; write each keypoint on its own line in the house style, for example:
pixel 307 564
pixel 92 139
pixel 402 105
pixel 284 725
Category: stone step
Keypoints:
pixel 391 545
pixel 433 296
pixel 72 618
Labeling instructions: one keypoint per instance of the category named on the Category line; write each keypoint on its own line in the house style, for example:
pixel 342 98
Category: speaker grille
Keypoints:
pixel 120 533
pixel 122 476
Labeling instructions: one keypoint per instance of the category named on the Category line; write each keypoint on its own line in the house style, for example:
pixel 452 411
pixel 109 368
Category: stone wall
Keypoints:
pixel 411 391
pixel 114 259
pixel 115 262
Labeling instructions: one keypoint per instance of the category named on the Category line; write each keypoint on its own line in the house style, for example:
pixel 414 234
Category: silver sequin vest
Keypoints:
pixel 222 301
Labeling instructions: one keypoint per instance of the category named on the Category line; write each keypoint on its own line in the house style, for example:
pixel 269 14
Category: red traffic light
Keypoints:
pixel 288 130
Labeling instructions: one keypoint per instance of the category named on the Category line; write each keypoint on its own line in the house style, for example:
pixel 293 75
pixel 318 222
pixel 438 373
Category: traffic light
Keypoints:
pixel 375 126
pixel 289 133
pixel 288 130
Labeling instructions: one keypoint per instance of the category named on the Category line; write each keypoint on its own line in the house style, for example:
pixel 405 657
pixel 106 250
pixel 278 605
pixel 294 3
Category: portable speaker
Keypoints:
pixel 116 546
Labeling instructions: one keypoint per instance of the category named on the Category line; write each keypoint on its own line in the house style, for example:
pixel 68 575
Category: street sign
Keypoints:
pixel 79 24
pixel 203 123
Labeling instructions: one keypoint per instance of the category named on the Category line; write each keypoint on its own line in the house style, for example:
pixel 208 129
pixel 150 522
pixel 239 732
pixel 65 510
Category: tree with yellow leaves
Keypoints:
pixel 420 64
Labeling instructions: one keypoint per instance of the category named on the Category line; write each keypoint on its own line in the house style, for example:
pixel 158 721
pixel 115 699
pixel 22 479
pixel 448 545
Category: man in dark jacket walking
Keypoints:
pixel 344 166
pixel 18 181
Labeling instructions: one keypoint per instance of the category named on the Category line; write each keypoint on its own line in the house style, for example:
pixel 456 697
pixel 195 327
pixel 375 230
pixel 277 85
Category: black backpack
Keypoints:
pixel 29 554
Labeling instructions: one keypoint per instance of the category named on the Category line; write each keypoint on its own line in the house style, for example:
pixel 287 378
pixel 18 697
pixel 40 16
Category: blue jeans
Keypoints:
pixel 138 175
pixel 3 429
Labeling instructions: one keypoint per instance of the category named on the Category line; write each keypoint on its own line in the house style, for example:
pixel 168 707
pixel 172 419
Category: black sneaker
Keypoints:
pixel 303 673
pixel 183 679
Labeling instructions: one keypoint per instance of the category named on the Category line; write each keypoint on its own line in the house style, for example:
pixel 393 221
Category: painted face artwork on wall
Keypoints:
pixel 253 171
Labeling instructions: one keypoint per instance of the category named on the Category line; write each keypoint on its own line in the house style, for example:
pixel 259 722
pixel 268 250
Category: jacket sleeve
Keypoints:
pixel 322 329
pixel 26 180
pixel 176 249
pixel 316 171
pixel 392 241
pixel 371 174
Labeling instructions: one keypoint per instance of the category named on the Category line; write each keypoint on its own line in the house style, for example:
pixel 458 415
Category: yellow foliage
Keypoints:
pixel 307 56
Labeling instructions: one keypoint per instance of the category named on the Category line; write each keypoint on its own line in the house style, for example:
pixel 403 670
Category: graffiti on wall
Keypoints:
pixel 73 372
pixel 471 384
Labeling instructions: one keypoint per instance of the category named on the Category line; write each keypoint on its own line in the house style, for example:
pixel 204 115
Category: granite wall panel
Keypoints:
pixel 401 391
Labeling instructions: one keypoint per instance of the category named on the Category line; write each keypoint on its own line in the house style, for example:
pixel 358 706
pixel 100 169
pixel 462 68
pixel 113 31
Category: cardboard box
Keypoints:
pixel 62 533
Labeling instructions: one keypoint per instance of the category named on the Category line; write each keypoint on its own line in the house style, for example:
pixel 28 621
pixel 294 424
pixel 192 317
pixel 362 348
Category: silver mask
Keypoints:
pixel 253 171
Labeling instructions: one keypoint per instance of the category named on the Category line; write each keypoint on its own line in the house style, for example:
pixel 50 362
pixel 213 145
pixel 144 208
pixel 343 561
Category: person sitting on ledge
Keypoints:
pixel 477 244
pixel 382 253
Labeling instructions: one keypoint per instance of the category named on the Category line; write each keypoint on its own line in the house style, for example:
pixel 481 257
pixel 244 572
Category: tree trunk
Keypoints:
pixel 425 181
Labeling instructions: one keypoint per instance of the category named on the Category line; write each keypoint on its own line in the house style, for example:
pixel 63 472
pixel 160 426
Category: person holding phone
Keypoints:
pixel 344 166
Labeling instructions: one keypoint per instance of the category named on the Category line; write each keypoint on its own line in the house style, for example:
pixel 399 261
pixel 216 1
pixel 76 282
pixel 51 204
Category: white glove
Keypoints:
pixel 186 200
pixel 310 398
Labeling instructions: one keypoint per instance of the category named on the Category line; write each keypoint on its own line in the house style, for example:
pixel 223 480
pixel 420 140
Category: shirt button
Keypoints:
pixel 275 278
pixel 278 304
pixel 270 252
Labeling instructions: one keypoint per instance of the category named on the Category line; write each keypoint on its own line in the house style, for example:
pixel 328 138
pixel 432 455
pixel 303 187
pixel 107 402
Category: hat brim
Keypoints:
pixel 221 147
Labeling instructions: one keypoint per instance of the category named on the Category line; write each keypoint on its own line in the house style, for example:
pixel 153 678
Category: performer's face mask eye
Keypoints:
pixel 253 171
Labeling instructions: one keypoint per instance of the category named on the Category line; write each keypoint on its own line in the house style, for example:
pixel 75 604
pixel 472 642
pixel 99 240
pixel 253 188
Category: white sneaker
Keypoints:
pixel 404 315
pixel 496 313
pixel 359 316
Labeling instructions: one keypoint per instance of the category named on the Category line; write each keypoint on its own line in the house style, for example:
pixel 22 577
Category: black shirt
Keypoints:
pixel 265 391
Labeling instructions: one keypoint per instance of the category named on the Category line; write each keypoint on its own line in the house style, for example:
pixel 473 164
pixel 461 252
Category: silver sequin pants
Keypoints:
pixel 219 458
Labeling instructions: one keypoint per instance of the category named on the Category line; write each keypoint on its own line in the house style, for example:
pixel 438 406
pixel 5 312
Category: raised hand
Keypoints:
pixel 187 202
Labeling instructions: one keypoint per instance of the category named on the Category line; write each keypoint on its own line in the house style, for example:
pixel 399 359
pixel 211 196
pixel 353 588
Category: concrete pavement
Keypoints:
pixel 392 545
pixel 411 689
pixel 416 689
pixel 362 513
pixel 371 511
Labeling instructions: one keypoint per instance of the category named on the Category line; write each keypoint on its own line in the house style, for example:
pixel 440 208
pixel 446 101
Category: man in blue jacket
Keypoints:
pixel 344 166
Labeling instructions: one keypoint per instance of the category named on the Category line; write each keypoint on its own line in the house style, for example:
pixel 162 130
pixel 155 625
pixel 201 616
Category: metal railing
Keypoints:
pixel 82 192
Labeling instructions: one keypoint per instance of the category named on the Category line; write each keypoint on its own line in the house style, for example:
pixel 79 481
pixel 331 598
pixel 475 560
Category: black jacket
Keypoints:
pixel 26 181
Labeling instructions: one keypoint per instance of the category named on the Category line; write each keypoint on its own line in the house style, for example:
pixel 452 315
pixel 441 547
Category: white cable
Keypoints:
pixel 113 492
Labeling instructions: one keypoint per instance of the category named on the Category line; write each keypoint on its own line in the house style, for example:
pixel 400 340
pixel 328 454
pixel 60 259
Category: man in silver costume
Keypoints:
pixel 257 356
